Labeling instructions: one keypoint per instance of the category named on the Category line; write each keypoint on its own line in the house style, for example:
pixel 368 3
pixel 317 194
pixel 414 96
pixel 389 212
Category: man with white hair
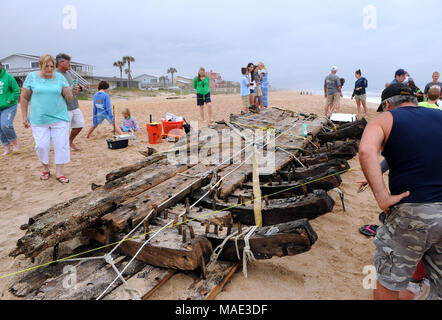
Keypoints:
pixel 332 91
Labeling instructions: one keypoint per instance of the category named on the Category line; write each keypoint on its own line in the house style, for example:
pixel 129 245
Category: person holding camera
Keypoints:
pixel 63 64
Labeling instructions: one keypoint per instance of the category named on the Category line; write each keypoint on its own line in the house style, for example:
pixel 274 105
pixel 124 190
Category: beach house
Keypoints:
pixel 20 65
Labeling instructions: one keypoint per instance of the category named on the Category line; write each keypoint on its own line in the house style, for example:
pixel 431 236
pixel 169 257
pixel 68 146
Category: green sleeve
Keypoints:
pixel 15 90
pixel 194 82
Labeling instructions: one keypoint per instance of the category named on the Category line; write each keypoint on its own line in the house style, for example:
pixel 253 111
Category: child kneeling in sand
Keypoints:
pixel 130 124
pixel 102 109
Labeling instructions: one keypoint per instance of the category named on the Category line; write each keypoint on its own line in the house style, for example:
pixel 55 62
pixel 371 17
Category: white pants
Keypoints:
pixel 59 133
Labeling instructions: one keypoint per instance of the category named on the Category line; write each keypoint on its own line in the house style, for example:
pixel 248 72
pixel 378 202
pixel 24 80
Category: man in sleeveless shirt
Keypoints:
pixel 410 139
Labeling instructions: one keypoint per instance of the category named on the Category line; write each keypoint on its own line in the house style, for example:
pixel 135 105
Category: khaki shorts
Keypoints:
pixel 411 233
pixel 361 97
pixel 333 98
pixel 77 119
pixel 258 91
pixel 245 101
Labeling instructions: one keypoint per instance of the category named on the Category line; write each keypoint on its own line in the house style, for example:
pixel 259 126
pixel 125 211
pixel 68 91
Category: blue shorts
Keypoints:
pixel 252 91
pixel 99 118
pixel 200 99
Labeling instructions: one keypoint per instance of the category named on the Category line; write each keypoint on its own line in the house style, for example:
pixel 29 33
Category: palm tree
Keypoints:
pixel 172 70
pixel 163 78
pixel 129 59
pixel 120 64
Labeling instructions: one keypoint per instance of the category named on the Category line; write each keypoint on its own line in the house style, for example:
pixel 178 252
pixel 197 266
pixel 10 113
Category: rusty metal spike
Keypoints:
pixel 166 214
pixel 180 229
pixel 239 228
pixel 192 233
pixel 146 229
pixel 266 200
pixel 304 188
pixel 184 235
pixel 229 229
pixel 187 205
pixel 215 229
pixel 207 227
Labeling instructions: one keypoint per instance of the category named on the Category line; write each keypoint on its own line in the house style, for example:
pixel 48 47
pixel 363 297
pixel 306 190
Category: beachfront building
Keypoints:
pixel 20 65
pixel 184 82
pixel 218 85
pixel 114 82
pixel 148 81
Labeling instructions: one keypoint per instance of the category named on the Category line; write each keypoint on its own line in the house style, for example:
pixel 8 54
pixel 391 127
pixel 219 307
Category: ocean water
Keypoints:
pixel 372 97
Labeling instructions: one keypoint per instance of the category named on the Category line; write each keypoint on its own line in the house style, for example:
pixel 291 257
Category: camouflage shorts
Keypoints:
pixel 411 232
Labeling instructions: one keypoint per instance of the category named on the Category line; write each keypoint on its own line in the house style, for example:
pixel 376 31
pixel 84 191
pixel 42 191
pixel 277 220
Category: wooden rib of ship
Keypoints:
pixel 161 194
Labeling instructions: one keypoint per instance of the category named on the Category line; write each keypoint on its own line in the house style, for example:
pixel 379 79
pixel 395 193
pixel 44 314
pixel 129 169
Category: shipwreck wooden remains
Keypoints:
pixel 184 211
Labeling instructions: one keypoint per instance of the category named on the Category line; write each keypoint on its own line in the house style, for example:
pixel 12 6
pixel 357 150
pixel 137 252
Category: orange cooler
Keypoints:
pixel 154 131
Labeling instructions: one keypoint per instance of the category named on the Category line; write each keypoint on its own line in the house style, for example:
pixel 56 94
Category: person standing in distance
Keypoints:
pixel 332 91
pixel 202 85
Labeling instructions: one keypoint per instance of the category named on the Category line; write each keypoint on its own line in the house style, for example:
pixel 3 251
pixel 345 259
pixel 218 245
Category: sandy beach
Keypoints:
pixel 333 269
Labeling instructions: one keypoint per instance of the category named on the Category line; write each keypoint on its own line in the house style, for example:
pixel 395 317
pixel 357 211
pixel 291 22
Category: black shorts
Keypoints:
pixel 200 100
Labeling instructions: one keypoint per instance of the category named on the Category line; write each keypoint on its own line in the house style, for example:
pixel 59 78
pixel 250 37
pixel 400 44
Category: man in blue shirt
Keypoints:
pixel 409 138
pixel 245 91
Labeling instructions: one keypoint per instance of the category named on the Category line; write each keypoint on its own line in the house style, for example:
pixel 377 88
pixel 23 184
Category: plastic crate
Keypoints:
pixel 170 125
pixel 119 144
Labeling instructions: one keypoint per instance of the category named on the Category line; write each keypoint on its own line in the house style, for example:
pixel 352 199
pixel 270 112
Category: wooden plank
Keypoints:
pixel 64 221
pixel 167 249
pixel 85 280
pixel 147 281
pixel 217 278
pixel 162 196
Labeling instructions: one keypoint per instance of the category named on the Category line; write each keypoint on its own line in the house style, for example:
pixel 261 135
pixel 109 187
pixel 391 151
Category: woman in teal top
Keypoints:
pixel 46 92
pixel 202 85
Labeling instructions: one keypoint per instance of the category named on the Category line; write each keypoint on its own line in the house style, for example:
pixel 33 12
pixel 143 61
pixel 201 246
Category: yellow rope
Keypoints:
pixel 165 227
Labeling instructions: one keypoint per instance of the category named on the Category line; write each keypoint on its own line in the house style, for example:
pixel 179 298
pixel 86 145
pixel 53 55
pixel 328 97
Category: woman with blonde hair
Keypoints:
pixel 46 93
pixel 263 75
pixel 202 85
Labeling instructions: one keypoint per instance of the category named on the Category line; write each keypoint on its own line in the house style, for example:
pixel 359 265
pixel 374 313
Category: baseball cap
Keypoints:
pixel 334 68
pixel 399 72
pixel 397 89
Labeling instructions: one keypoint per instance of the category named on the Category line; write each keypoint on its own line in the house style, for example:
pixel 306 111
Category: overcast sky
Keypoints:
pixel 297 40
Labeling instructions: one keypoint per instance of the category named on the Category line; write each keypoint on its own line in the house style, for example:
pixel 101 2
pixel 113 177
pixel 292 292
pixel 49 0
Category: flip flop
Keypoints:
pixel 45 176
pixel 369 230
pixel 62 179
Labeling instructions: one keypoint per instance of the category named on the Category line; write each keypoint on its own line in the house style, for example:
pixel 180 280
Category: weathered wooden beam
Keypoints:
pixel 162 196
pixel 216 278
pixel 147 282
pixel 167 250
pixel 280 240
pixel 352 130
pixel 279 210
pixel 64 221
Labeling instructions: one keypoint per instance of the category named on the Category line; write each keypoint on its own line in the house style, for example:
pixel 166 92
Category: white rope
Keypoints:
pixel 218 250
pixel 136 294
pixel 247 254
pixel 167 225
